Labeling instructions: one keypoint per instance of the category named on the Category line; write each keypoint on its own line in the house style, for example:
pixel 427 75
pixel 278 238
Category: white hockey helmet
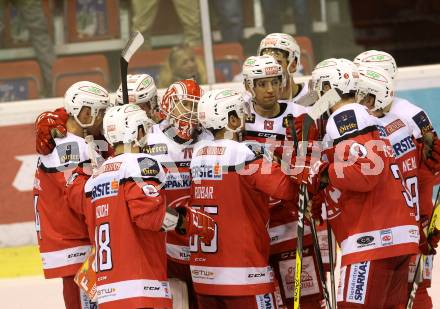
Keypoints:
pixel 141 89
pixel 340 74
pixel 256 67
pixel 214 108
pixel 376 82
pixel 85 94
pixel 121 124
pixel 379 59
pixel 282 41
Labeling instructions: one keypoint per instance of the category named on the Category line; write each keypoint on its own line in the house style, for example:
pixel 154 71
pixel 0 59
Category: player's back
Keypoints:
pixel 399 133
pixel 369 186
pixel 131 255
pixel 223 185
pixel 414 116
pixel 62 234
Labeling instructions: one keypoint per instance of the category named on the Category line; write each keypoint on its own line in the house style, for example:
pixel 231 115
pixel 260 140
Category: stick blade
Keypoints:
pixel 308 99
pixel 134 42
pixel 328 100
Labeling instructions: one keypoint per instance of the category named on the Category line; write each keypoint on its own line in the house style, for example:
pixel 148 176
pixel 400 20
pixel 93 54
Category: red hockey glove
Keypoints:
pixel 433 158
pixel 296 125
pixel 196 223
pixel 47 126
pixel 313 175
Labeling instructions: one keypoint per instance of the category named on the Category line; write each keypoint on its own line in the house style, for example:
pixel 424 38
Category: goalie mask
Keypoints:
pixel 85 94
pixel 375 58
pixel 377 83
pixel 141 91
pixel 179 106
pixel 121 125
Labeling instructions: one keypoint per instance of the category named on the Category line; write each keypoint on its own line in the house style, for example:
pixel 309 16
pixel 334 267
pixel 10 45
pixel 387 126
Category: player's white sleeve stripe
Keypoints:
pixel 131 289
pixel 285 232
pixel 65 257
pixel 380 238
pixel 231 275
pixel 178 252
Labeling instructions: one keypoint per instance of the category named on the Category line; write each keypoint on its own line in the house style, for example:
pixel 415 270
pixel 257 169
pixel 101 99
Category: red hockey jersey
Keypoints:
pixel 233 185
pixel 267 131
pixel 62 234
pixel 130 249
pixel 372 219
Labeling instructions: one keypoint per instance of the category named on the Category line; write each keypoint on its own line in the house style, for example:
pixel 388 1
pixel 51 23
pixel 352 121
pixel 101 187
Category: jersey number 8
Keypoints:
pixel 103 252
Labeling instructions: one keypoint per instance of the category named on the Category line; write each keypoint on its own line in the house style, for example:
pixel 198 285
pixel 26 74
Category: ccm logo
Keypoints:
pixel 256 275
pixel 151 288
pixel 78 254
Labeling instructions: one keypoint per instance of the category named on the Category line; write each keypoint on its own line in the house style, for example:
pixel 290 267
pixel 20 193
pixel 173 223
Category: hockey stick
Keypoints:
pixel 332 264
pixel 320 107
pixel 134 42
pixel 321 131
pixel 320 264
pixel 418 273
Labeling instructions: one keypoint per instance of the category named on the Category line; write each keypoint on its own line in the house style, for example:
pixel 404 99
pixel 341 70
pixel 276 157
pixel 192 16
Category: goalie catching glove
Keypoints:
pixel 48 126
pixel 188 221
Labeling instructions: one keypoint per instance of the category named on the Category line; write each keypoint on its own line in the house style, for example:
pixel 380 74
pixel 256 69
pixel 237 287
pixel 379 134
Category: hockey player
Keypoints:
pixel 62 234
pixel 423 131
pixel 286 51
pixel 143 92
pixel 233 185
pixel 171 142
pixel 131 216
pixel 372 222
pixel 267 125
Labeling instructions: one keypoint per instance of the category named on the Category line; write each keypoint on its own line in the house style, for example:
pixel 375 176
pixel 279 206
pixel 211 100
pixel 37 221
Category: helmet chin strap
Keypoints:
pixel 82 125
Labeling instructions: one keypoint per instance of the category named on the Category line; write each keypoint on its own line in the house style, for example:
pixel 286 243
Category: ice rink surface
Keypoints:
pixel 38 293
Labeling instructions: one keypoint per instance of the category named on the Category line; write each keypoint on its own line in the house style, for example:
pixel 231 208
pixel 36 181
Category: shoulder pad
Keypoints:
pixel 423 122
pixel 148 167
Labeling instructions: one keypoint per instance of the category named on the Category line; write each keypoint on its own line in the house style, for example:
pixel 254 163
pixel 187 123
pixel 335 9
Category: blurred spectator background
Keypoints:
pixel 48 44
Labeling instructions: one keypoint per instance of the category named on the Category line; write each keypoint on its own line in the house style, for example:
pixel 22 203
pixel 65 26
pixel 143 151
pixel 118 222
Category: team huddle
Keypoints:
pixel 215 199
